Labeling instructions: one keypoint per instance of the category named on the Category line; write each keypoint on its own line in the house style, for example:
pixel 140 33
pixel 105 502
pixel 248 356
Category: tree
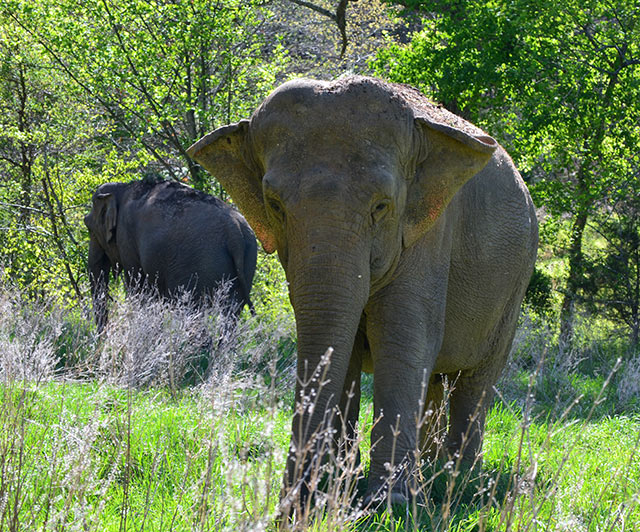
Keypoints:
pixel 314 47
pixel 163 72
pixel 107 91
pixel 557 82
pixel 339 17
pixel 611 284
pixel 44 154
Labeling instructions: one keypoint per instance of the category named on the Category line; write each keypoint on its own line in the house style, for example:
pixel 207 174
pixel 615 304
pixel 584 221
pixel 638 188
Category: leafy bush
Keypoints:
pixel 539 292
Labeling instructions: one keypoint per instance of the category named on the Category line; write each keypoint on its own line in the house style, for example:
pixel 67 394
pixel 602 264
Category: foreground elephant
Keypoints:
pixel 169 235
pixel 408 238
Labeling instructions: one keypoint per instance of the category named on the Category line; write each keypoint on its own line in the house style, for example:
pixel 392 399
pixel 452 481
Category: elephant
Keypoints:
pixel 407 237
pixel 171 236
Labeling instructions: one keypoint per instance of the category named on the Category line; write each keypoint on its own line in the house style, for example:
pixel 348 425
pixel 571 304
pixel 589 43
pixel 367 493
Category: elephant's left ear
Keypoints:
pixel 450 156
pixel 224 153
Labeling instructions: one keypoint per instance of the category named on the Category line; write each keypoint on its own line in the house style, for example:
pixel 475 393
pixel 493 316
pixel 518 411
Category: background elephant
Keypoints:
pixel 171 235
pixel 408 238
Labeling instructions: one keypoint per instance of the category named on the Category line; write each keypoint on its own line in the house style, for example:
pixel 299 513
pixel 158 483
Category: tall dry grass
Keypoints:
pixel 175 418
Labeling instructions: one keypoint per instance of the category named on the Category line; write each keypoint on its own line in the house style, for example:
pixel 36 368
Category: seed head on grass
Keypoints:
pixel 152 440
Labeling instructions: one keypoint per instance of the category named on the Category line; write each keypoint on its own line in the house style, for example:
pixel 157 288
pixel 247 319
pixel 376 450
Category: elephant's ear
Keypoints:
pixel 224 154
pixel 450 157
pixel 106 206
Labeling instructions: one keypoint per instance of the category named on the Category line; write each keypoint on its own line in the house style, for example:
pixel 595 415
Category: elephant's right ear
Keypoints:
pixel 224 153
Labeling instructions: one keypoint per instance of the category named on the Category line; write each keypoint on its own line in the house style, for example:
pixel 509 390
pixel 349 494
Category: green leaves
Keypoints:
pixel 557 82
pixel 163 72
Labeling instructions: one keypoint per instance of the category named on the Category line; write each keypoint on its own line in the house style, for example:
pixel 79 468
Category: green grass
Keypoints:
pixel 104 434
pixel 104 458
pixel 575 475
pixel 98 457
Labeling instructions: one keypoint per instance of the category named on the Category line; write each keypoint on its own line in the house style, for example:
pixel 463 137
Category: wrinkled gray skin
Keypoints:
pixel 408 238
pixel 169 235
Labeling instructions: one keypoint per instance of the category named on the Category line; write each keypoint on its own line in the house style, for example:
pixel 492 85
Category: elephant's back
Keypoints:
pixel 184 238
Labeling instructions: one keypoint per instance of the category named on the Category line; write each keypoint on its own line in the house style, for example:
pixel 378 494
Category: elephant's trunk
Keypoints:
pixel 99 269
pixel 329 288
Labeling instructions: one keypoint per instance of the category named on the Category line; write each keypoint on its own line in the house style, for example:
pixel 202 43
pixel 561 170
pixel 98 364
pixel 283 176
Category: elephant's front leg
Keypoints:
pixel 349 407
pixel 405 334
pixel 99 270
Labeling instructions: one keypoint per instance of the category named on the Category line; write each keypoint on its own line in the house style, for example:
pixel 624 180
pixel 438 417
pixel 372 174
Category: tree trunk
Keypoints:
pixel 574 280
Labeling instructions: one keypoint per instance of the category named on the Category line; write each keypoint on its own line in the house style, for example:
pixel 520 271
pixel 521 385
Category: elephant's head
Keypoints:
pixel 103 250
pixel 341 178
pixel 102 219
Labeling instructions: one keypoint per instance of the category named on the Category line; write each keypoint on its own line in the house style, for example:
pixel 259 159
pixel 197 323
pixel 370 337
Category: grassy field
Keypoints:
pixel 133 431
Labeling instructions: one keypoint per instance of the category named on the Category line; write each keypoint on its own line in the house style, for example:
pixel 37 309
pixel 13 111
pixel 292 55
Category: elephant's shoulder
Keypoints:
pixel 499 177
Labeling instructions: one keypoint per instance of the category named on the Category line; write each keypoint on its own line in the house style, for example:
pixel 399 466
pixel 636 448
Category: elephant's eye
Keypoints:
pixel 276 208
pixel 379 210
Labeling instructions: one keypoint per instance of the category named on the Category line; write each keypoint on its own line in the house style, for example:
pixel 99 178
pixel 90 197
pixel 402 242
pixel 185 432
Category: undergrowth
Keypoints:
pixel 175 418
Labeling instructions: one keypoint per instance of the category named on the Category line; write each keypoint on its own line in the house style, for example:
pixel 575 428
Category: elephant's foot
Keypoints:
pixel 380 499
pixel 463 456
pixel 387 494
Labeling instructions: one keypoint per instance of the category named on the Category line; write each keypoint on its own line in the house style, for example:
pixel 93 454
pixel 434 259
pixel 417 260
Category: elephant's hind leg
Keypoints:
pixel 470 400
pixel 473 392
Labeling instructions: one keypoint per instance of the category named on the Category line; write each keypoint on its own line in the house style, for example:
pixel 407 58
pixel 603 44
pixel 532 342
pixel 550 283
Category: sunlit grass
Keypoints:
pixel 91 445
pixel 101 457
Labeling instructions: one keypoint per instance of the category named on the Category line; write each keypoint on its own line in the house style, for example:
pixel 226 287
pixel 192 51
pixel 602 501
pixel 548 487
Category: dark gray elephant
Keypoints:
pixel 408 238
pixel 170 235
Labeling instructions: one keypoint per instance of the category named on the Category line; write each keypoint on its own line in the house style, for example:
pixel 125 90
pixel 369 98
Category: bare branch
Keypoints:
pixel 340 17
pixel 341 21
pixel 9 205
pixel 316 8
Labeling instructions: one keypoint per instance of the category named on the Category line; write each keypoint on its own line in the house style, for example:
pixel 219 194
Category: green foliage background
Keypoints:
pixel 558 84
pixel 110 91
pixel 113 91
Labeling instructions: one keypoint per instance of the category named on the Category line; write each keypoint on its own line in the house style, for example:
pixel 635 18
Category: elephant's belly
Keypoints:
pixel 367 362
pixel 475 329
pixel 457 356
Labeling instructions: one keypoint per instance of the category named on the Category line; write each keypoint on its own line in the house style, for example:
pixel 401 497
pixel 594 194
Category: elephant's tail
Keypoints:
pixel 244 259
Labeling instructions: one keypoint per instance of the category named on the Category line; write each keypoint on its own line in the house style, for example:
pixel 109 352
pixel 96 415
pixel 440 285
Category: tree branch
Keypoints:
pixel 316 8
pixel 341 21
pixel 105 104
pixel 46 188
pixel 340 17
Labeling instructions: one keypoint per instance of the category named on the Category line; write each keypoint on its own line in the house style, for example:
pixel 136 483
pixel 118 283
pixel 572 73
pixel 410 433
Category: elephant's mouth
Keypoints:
pixel 382 272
